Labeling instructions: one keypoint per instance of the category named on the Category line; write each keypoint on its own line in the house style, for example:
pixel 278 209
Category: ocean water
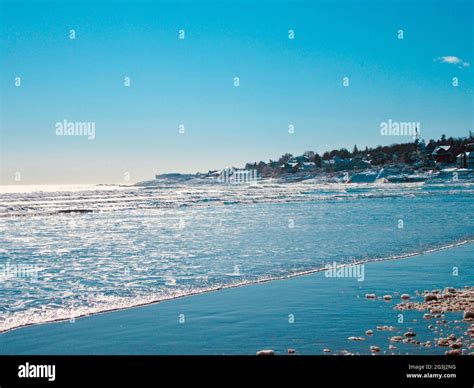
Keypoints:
pixel 68 252
pixel 242 320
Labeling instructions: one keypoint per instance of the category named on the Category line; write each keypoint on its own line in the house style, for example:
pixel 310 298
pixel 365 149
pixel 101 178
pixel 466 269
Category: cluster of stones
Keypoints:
pixel 437 303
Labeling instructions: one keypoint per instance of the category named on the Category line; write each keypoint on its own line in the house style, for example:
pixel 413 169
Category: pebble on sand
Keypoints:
pixel 456 345
pixel 385 328
pixel 356 339
pixel 454 352
pixel 396 338
pixel 266 352
pixel 430 297
pixel 470 331
pixel 443 342
pixel 468 315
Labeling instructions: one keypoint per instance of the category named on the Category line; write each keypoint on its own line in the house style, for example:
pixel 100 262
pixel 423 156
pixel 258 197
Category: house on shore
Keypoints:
pixel 298 163
pixel 443 154
pixel 338 164
pixel 466 158
pixel 306 166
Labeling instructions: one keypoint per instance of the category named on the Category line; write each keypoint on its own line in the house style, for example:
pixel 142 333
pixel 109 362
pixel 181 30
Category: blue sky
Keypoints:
pixel 191 82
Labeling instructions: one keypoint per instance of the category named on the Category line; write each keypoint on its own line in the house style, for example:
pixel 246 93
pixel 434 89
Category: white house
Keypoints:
pixel 466 159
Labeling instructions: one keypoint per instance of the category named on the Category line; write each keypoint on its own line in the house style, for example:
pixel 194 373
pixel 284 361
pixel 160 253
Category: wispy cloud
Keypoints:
pixel 452 60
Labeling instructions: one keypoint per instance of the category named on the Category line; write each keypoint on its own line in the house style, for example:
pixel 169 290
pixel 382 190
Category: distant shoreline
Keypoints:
pixel 387 174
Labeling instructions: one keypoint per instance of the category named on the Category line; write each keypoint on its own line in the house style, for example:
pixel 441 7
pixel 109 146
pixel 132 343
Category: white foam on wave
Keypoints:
pixel 33 201
pixel 11 321
pixel 24 189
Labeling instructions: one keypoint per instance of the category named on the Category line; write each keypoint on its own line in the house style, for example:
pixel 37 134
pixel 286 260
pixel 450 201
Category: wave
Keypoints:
pixel 50 204
pixel 113 303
